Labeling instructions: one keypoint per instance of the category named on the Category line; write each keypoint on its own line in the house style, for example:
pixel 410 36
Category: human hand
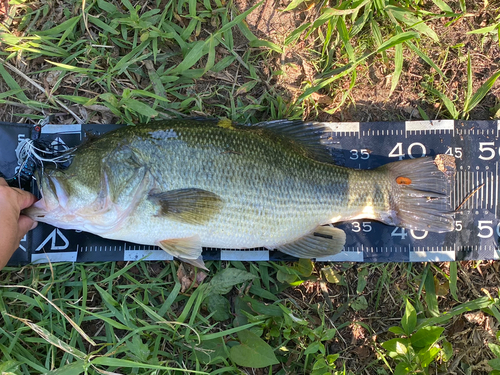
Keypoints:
pixel 13 225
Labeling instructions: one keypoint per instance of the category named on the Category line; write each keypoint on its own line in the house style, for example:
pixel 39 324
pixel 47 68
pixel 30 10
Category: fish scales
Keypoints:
pixel 184 184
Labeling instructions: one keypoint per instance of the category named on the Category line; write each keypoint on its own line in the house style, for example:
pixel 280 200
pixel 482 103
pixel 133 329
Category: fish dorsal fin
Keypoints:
pixel 184 248
pixel 323 241
pixel 311 137
pixel 192 206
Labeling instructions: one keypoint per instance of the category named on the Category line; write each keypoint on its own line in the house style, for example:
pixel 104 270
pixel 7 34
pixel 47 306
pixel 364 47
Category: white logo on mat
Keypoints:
pixel 59 144
pixel 24 239
pixel 53 237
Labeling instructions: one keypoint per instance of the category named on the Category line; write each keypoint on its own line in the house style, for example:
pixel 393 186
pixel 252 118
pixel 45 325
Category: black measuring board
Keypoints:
pixel 475 145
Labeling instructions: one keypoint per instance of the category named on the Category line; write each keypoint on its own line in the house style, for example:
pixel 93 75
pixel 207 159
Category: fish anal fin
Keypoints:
pixel 185 248
pixel 323 241
pixel 195 262
pixel 192 206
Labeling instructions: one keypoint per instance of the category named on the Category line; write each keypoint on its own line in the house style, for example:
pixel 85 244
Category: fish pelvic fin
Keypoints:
pixel 191 206
pixel 323 241
pixel 421 193
pixel 186 248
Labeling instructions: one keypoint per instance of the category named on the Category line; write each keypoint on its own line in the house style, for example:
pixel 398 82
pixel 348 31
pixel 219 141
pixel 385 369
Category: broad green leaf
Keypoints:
pixel 263 293
pixel 427 356
pixel 447 351
pixel 397 330
pixel 331 275
pixel 211 351
pixel 426 336
pixel 481 92
pixel 495 349
pixel 219 306
pixel 395 346
pixel 108 7
pixel 362 279
pixel 305 267
pixel 262 308
pixel 359 304
pixel 402 368
pixel 315 347
pixel 224 280
pixel 253 351
pixel 284 277
pixel 409 319
pixel 495 364
pixel 139 107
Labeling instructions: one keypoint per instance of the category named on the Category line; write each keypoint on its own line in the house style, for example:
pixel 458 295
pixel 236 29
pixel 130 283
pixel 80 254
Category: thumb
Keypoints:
pixel 25 224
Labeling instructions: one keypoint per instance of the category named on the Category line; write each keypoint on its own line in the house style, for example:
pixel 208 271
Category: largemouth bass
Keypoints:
pixel 188 184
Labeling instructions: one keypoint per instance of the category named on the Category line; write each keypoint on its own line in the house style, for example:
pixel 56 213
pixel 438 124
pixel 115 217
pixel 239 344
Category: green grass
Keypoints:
pixel 116 61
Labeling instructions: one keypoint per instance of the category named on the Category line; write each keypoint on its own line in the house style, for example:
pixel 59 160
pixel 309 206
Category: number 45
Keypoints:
pixel 454 151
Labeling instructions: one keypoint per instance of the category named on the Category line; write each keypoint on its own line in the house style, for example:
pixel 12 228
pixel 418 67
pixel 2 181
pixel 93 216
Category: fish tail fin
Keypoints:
pixel 421 193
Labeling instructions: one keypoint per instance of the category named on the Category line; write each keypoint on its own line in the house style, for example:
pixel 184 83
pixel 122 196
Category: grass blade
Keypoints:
pixel 430 292
pixel 426 58
pixel 453 280
pixel 481 93
pixel 398 67
pixel 446 101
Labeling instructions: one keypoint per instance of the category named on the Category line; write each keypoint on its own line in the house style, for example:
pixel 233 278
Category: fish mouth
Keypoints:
pixel 54 198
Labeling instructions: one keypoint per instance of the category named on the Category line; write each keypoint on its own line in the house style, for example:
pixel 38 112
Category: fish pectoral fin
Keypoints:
pixel 323 241
pixel 195 262
pixel 185 248
pixel 192 206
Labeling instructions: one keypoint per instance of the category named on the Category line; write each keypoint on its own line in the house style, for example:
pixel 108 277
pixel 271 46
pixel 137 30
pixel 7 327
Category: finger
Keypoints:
pixel 25 199
pixel 25 224
pixel 3 182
